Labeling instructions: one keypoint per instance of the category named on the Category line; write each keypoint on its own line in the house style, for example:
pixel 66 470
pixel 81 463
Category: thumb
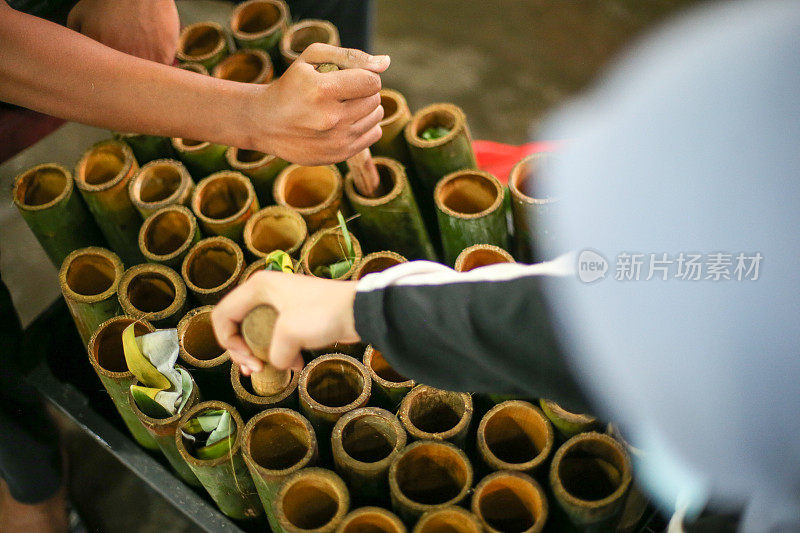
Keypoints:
pixel 344 58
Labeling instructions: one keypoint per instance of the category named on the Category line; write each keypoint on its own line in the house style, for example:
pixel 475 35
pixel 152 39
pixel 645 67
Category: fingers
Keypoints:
pixel 345 58
pixel 355 110
pixel 365 140
pixel 284 351
pixel 350 84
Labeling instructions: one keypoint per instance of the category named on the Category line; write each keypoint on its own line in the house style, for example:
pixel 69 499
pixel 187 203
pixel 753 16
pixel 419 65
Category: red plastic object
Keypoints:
pixel 499 158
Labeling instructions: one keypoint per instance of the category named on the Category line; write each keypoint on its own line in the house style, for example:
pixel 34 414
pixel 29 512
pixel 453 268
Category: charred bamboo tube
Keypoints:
pixel 260 264
pixel 160 183
pixel 436 158
pixel 372 520
pixel 510 501
pixel 250 403
pixel 481 255
pixel 260 24
pixel 515 435
pixel 304 33
pixel 257 328
pixel 207 362
pixel 194 67
pixel 377 262
pixel 364 443
pixel 167 235
pixel 590 475
pixel 89 278
pixel 389 386
pixel 146 148
pixel 326 247
pixel 261 168
pixel 313 499
pixel 223 202
pixel 448 520
pixel 204 43
pixel 202 158
pixel 102 176
pixel 276 444
pixel 163 431
pixel 391 220
pixel 226 478
pixel 525 208
pixel 427 476
pixel 567 423
pixel 434 414
pixel 108 361
pixel 395 117
pixel 314 192
pixel 275 228
pixel 245 66
pixel 212 268
pixel 471 210
pixel 155 292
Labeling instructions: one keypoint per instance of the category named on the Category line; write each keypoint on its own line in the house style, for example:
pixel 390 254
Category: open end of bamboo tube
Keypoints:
pixel 305 33
pixel 159 183
pixel 567 422
pixel 245 159
pixel 152 290
pixel 90 274
pixel 429 413
pixel 307 189
pixel 430 473
pixel 105 346
pixel 368 435
pixel 523 177
pixel 223 196
pixel 280 441
pixel 275 228
pixel 186 447
pixel 335 382
pixel 391 105
pixel 590 469
pixel 481 255
pixel 198 344
pixel 377 262
pixel 42 186
pixel 312 499
pixel 258 18
pixel 447 116
pixel 390 183
pixel 188 145
pixel 104 165
pixel 245 66
pixel 448 520
pixel 212 265
pixel 167 233
pixel 468 194
pixel 201 41
pixel 380 368
pixel 371 520
pixel 515 435
pixel 327 247
pixel 194 67
pixel 510 502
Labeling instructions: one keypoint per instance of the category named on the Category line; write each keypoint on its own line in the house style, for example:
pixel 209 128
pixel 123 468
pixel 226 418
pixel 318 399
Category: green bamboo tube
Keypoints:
pixel 163 431
pixel 89 278
pixel 389 387
pixel 434 414
pixel 261 168
pixel 223 202
pixel 226 478
pixel 260 264
pixel 325 247
pixel 146 148
pixel 437 158
pixel 155 292
pixel 313 499
pixel 589 476
pixel 364 443
pixel 372 520
pixel 510 501
pixel 515 435
pixel 202 158
pixel 396 115
pixel 636 502
pixel 428 476
pixel 204 43
pixel 102 176
pixel 567 423
pixel 377 262
pixel 304 33
pixel 481 255
pixel 207 362
pixel 314 192
pixel 471 210
pixel 245 66
pixel 160 183
pixel 448 519
pixel 250 403
pixel 194 67
pixel 166 236
pixel 260 24
pixel 108 360
pixel 275 228
pixel 276 444
pixel 212 269
pixel 525 208
pixel 391 220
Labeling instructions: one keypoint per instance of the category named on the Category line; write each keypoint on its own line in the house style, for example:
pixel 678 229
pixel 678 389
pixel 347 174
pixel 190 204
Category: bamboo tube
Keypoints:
pixel 204 43
pixel 160 183
pixel 245 66
pixel 389 386
pixel 325 247
pixel 261 168
pixel 510 501
pixel 471 210
pixel 313 499
pixel 364 443
pixel 260 24
pixel 226 478
pixel 163 431
pixel 304 33
pixel 589 476
pixel 276 444
pixel 377 262
pixel 434 159
pixel 257 328
pixel 427 476
pixel 89 278
pixel 194 67
pixel 391 220
pixel 434 414
pixel 166 236
pixel 250 403
pixel 108 360
pixel 261 264
pixel 448 520
pixel 636 502
pixel 371 520
pixel 146 148
pixel 223 202
pixel 212 268
pixel 207 362
pixel 275 228
pixel 102 175
pixel 314 192
pixel 155 292
pixel 395 117
pixel 481 255
pixel 515 435
pixel 525 208
pixel 202 158
pixel 567 423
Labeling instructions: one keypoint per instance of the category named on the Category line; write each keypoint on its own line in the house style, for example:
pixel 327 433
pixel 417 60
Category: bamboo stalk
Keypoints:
pixel 377 262
pixel 245 66
pixel 396 115
pixel 102 176
pixel 207 362
pixel 313 499
pixel 155 292
pixel 636 502
pixel 261 168
pixel 108 360
pixel 250 403
pixel 525 208
pixel 166 236
pixel 303 33
pixel 567 423
pixel 392 220
pixel 314 192
pixel 325 247
pixel 226 478
pixel 89 278
pixel 434 414
pixel 364 443
pixel 257 328
pixel 201 158
pixel 510 501
pixel 212 268
pixel 223 202
pixel 481 255
pixel 204 43
pixel 448 519
pixel 372 520
pixel 146 148
pixel 194 67
pixel 389 386
pixel 515 435
pixel 158 184
pixel 471 210
pixel 260 24
pixel 427 476
pixel 275 228
pixel 276 444
pixel 260 264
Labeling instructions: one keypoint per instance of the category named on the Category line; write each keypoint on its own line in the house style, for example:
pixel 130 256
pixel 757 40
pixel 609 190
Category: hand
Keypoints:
pixel 312 313
pixel 313 118
pixel 144 28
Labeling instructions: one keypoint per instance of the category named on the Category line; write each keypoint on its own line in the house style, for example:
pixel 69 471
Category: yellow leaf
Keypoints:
pixel 142 368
